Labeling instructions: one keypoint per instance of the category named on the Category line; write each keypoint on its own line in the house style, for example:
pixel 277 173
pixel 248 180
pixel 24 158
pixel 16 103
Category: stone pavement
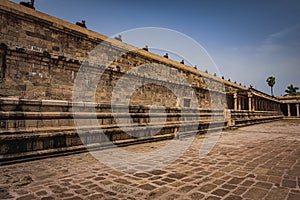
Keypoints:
pixel 255 162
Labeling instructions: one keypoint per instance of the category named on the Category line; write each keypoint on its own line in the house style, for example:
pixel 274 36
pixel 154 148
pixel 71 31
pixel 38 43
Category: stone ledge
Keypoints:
pixel 67 115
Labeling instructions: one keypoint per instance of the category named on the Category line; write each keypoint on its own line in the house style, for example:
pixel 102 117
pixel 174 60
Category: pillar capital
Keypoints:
pixel 235 95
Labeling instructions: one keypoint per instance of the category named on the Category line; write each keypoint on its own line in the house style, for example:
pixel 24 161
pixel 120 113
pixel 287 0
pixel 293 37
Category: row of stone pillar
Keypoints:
pixel 238 102
pixel 253 103
pixel 289 110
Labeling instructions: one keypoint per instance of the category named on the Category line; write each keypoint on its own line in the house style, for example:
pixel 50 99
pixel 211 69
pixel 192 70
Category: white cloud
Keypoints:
pixel 280 41
pixel 277 55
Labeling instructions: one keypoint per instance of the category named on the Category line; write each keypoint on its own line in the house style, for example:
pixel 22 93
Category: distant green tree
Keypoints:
pixel 271 82
pixel 292 91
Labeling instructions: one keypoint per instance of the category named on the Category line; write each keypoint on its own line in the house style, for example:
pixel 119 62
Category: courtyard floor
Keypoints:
pixel 254 162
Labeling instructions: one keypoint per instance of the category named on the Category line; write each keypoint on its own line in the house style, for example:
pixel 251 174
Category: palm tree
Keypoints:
pixel 291 91
pixel 271 82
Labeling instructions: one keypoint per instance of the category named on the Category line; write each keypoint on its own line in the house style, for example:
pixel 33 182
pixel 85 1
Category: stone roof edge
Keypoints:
pixel 289 98
pixel 264 95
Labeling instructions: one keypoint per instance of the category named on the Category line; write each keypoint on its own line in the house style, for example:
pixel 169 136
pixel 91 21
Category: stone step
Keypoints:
pixel 20 146
pixel 50 129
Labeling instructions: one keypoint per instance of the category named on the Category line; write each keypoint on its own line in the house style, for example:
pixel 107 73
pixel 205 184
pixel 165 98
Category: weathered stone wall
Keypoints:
pixel 40 56
pixel 44 54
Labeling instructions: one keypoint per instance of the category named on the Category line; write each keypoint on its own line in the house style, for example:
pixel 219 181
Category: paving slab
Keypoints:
pixel 255 162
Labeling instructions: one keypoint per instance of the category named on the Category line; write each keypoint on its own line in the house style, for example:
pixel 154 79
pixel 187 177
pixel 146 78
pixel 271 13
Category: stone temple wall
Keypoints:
pixel 44 54
pixel 40 57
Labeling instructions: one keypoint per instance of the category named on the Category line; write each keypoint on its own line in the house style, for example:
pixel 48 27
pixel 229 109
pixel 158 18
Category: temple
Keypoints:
pixel 40 57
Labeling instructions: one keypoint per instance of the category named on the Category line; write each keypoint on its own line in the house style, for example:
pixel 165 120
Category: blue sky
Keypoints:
pixel 248 40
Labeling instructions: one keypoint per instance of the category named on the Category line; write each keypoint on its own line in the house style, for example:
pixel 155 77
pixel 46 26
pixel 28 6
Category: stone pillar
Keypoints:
pixel 260 105
pixel 256 104
pixel 297 108
pixel 235 97
pixel 240 103
pixel 289 109
pixel 272 106
pixel 250 101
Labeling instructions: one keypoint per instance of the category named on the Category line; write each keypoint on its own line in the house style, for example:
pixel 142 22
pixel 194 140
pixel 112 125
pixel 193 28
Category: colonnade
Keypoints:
pixel 251 102
pixel 289 110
